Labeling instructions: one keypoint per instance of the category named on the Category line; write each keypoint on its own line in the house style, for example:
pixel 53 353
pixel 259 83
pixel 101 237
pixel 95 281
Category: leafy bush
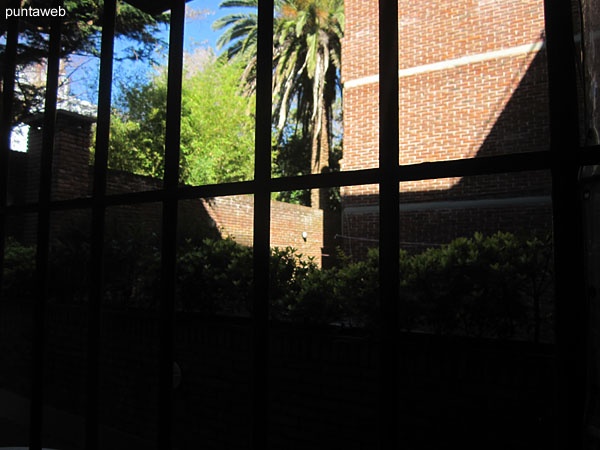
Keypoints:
pixel 69 265
pixel 215 276
pixel 131 267
pixel 19 270
pixel 480 286
pixel 342 295
pixel 495 286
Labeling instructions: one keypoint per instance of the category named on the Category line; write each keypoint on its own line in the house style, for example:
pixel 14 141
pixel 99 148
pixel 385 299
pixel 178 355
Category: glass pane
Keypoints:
pixel 24 165
pixel 217 121
pixel 360 77
pixel 77 86
pixel 485 239
pixel 323 377
pixel 473 79
pixel 591 220
pixel 66 330
pixel 139 102
pixel 18 183
pixel 75 121
pixel 129 327
pixel 213 337
pixel 477 306
pixel 215 255
pixel 218 103
pixel 308 120
pixel 16 330
pixel 71 170
pixel 591 61
pixel 360 220
pixel 29 95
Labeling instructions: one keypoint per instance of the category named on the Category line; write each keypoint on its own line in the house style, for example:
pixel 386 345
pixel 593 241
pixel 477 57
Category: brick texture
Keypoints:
pixel 492 104
pixel 72 177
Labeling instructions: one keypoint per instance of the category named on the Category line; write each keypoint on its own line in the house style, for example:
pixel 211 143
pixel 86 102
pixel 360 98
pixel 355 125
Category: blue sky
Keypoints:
pixel 198 32
pixel 201 30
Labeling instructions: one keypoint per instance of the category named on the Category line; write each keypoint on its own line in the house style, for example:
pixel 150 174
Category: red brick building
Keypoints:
pixel 472 83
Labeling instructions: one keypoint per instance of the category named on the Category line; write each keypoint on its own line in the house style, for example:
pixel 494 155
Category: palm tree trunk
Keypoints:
pixel 319 161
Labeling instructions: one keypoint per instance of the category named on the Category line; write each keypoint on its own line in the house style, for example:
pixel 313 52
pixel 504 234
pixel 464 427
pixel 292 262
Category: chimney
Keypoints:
pixel 70 162
pixel 71 159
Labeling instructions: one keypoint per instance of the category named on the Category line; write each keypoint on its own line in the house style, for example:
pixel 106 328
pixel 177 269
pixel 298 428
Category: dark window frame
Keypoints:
pixel 564 159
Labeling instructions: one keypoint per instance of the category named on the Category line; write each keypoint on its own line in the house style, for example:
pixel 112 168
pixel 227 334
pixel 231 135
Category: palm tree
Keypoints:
pixel 240 34
pixel 306 67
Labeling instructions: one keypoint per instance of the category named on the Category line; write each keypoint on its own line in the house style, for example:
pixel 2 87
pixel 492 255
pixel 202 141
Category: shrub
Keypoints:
pixel 215 276
pixel 495 286
pixel 19 270
pixel 474 286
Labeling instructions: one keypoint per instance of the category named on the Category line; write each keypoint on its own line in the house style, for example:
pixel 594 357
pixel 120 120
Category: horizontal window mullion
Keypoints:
pixel 475 166
pixel 324 180
pixel 414 172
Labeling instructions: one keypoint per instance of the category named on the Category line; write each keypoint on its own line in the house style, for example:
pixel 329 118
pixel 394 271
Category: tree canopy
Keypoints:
pixel 217 126
pixel 306 68
pixel 81 29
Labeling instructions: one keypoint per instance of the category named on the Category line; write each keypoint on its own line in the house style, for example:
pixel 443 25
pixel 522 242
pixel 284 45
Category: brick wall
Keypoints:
pixel 234 215
pixel 472 83
pixel 72 177
pixel 69 177
pixel 69 162
pixel 288 222
pixel 69 165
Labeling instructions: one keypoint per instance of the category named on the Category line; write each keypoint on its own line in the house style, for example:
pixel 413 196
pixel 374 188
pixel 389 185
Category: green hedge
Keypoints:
pixel 494 286
pixel 19 266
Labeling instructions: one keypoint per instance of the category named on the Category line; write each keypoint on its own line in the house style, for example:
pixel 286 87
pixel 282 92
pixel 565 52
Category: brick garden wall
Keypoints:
pixel 472 83
pixel 72 177
pixel 233 216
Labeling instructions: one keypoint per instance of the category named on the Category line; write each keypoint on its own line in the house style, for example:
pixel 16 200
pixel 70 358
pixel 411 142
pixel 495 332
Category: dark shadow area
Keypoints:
pixel 469 390
pixel 459 390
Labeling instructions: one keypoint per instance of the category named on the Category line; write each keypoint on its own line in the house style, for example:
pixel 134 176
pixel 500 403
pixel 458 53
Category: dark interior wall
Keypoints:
pixel 323 383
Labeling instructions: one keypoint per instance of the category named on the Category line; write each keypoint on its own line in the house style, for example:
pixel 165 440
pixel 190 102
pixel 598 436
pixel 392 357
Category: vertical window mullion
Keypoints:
pixel 169 226
pixel 570 304
pixel 98 221
pixel 43 233
pixel 389 222
pixel 8 89
pixel 262 220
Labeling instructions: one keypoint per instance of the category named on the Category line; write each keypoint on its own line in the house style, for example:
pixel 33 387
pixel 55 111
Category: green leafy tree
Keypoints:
pixel 306 68
pixel 81 29
pixel 217 127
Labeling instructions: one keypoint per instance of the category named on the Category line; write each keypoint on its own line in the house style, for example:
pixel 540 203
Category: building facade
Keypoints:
pixel 472 83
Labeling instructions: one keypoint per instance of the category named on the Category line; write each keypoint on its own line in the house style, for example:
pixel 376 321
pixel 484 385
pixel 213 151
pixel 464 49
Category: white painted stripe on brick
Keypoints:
pixel 452 63
pixel 457 204
pixel 362 81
